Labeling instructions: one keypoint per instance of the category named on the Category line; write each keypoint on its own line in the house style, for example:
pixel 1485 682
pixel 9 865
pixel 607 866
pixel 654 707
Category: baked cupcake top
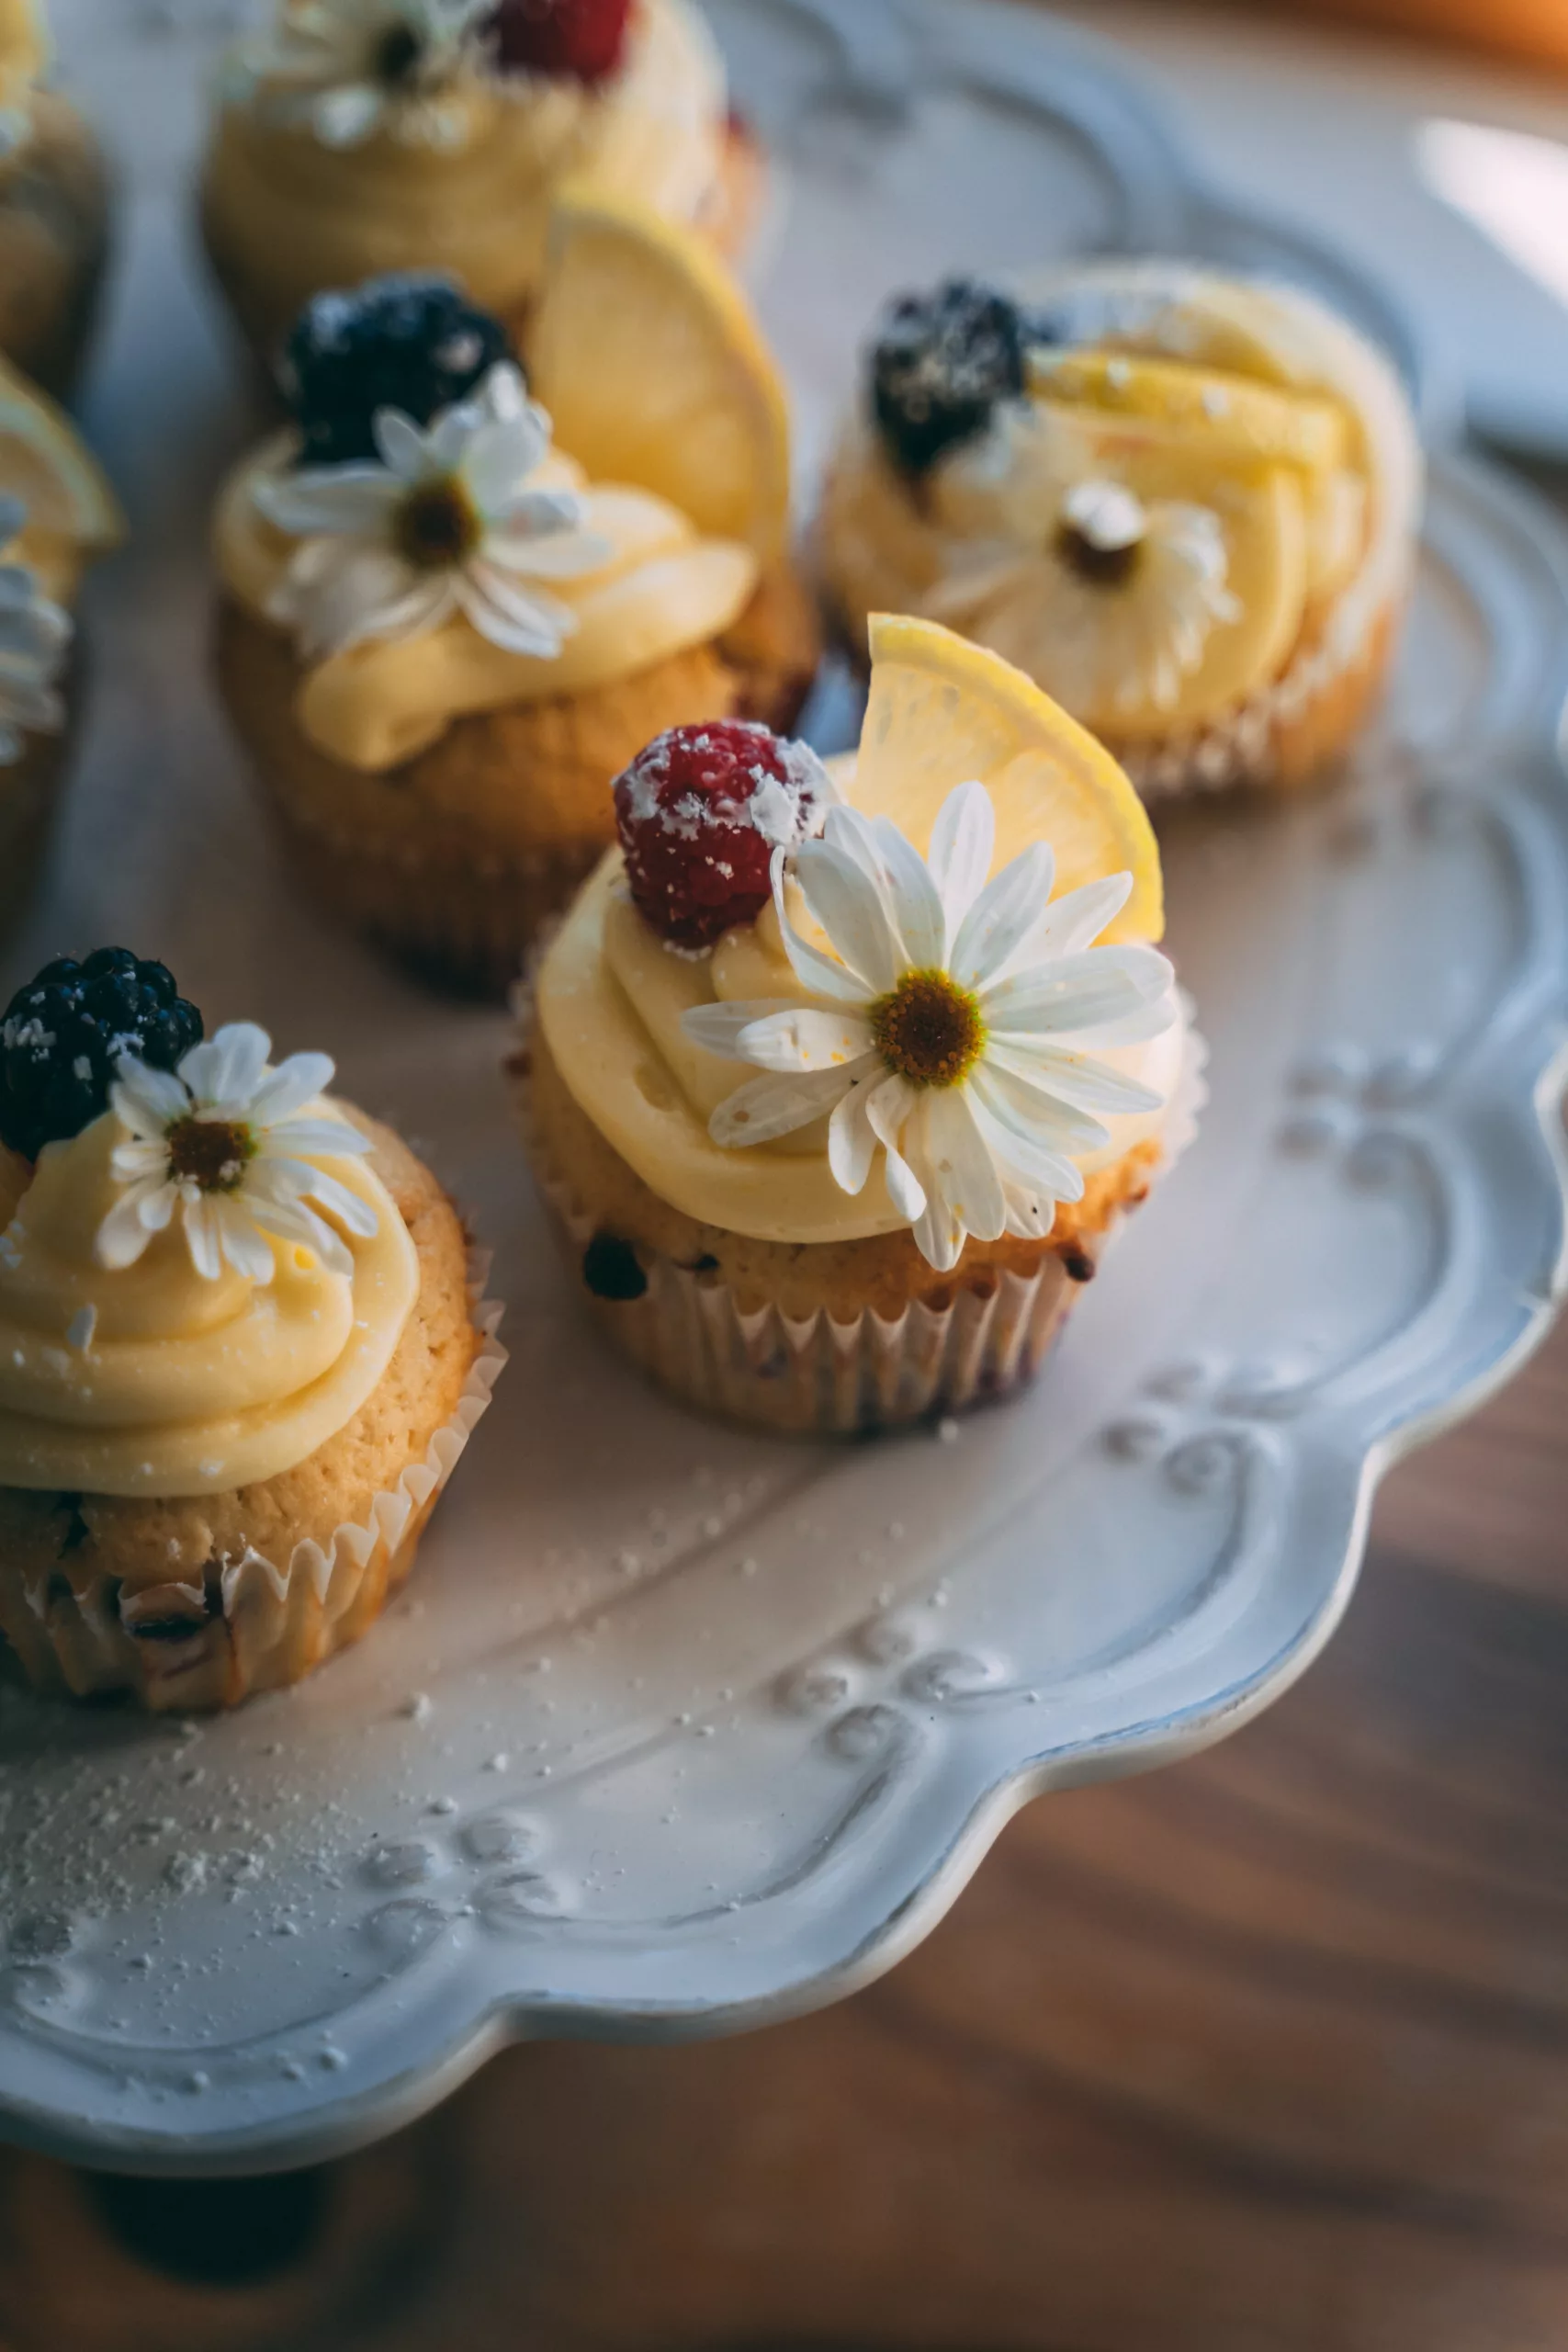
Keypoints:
pixel 437 542
pixel 386 113
pixel 1158 490
pixel 922 995
pixel 200 1279
pixel 57 511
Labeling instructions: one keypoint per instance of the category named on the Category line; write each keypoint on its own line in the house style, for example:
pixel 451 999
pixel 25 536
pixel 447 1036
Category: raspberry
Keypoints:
pixel 701 812
pixel 941 364
pixel 62 1036
pixel 403 341
pixel 582 37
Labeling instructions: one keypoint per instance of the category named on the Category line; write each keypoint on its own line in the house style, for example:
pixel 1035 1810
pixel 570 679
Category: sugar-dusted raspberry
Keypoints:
pixel 62 1036
pixel 701 812
pixel 940 364
pixel 585 39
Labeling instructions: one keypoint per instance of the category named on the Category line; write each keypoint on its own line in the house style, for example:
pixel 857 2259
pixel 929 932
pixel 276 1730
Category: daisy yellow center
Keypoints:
pixel 211 1154
pixel 929 1030
pixel 399 53
pixel 1100 567
pixel 437 524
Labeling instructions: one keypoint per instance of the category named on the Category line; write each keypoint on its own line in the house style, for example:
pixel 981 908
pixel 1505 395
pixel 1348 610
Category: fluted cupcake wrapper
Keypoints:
pixel 259 1623
pixel 814 1376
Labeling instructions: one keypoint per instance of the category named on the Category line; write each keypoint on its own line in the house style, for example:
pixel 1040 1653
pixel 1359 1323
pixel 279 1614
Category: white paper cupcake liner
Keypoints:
pixel 256 1623
pixel 817 1376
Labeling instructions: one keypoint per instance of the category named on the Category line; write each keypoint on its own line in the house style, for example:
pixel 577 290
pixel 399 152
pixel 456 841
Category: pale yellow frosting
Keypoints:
pixel 663 589
pixel 154 1380
pixel 609 1001
pixel 303 215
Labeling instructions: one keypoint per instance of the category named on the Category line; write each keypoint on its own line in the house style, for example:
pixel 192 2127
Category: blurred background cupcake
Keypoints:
pixel 1185 505
pixel 57 511
pixel 442 634
pixel 838 1102
pixel 359 136
pixel 238 1351
pixel 54 210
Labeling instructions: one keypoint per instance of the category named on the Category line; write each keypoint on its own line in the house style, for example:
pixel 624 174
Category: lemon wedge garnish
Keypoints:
pixel 43 463
pixel 944 712
pixel 1224 419
pixel 645 352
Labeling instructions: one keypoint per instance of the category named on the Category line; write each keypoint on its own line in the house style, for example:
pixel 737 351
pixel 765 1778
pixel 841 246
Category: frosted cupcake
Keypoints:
pixel 57 512
pixel 837 1099
pixel 443 632
pixel 53 209
pixel 361 136
pixel 1186 505
pixel 239 1354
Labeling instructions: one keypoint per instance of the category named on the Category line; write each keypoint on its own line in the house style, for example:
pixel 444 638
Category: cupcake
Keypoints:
pixel 53 210
pixel 442 631
pixel 1187 505
pixel 835 1097
pixel 363 135
pixel 239 1348
pixel 56 513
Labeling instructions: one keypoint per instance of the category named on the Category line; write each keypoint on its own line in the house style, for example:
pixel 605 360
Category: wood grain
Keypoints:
pixel 1265 2053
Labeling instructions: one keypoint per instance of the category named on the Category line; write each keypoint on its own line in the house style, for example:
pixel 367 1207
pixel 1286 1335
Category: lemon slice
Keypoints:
pixel 1225 418
pixel 943 712
pixel 646 352
pixel 43 463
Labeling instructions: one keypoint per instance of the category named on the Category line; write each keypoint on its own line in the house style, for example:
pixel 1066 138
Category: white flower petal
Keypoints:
pixel 403 448
pixel 517 619
pixel 849 911
pixel 292 1221
pixel 204 1235
pixel 498 455
pixel 226 1070
pixel 889 1109
pixel 347 1208
pixel 1035 1107
pixel 851 1139
pixel 716 1027
pixel 771 1107
pixel 279 1092
pixel 329 500
pixel 130 1226
pixel 144 1099
pixel 914 902
pixel 1030 1215
pixel 1002 917
pixel 958 1167
pixel 1078 1079
pixel 329 1138
pixel 239 1239
pixel 346 118
pixel 962 842
pixel 804 1038
pixel 1073 992
pixel 1076 920
pixel 816 973
pixel 1015 1142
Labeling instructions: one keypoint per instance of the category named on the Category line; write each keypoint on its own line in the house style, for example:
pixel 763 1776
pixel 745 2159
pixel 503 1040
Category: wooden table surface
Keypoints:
pixel 1268 2052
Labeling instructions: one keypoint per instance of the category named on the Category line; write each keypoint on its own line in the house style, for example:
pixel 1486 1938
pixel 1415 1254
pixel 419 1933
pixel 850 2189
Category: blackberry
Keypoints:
pixel 405 341
pixel 941 364
pixel 62 1036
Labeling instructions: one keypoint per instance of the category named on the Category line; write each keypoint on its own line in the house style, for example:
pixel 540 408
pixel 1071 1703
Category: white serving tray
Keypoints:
pixel 679 1731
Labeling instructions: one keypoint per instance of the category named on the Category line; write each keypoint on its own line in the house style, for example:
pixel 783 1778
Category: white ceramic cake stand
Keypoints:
pixel 680 1731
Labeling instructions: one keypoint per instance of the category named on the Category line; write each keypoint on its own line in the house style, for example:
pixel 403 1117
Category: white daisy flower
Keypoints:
pixel 348 69
pixel 35 636
pixel 946 1024
pixel 218 1142
pixel 1107 599
pixel 450 520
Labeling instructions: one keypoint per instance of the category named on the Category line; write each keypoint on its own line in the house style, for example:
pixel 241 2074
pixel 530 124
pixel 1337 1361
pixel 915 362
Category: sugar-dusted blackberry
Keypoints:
pixel 941 364
pixel 62 1036
pixel 406 341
